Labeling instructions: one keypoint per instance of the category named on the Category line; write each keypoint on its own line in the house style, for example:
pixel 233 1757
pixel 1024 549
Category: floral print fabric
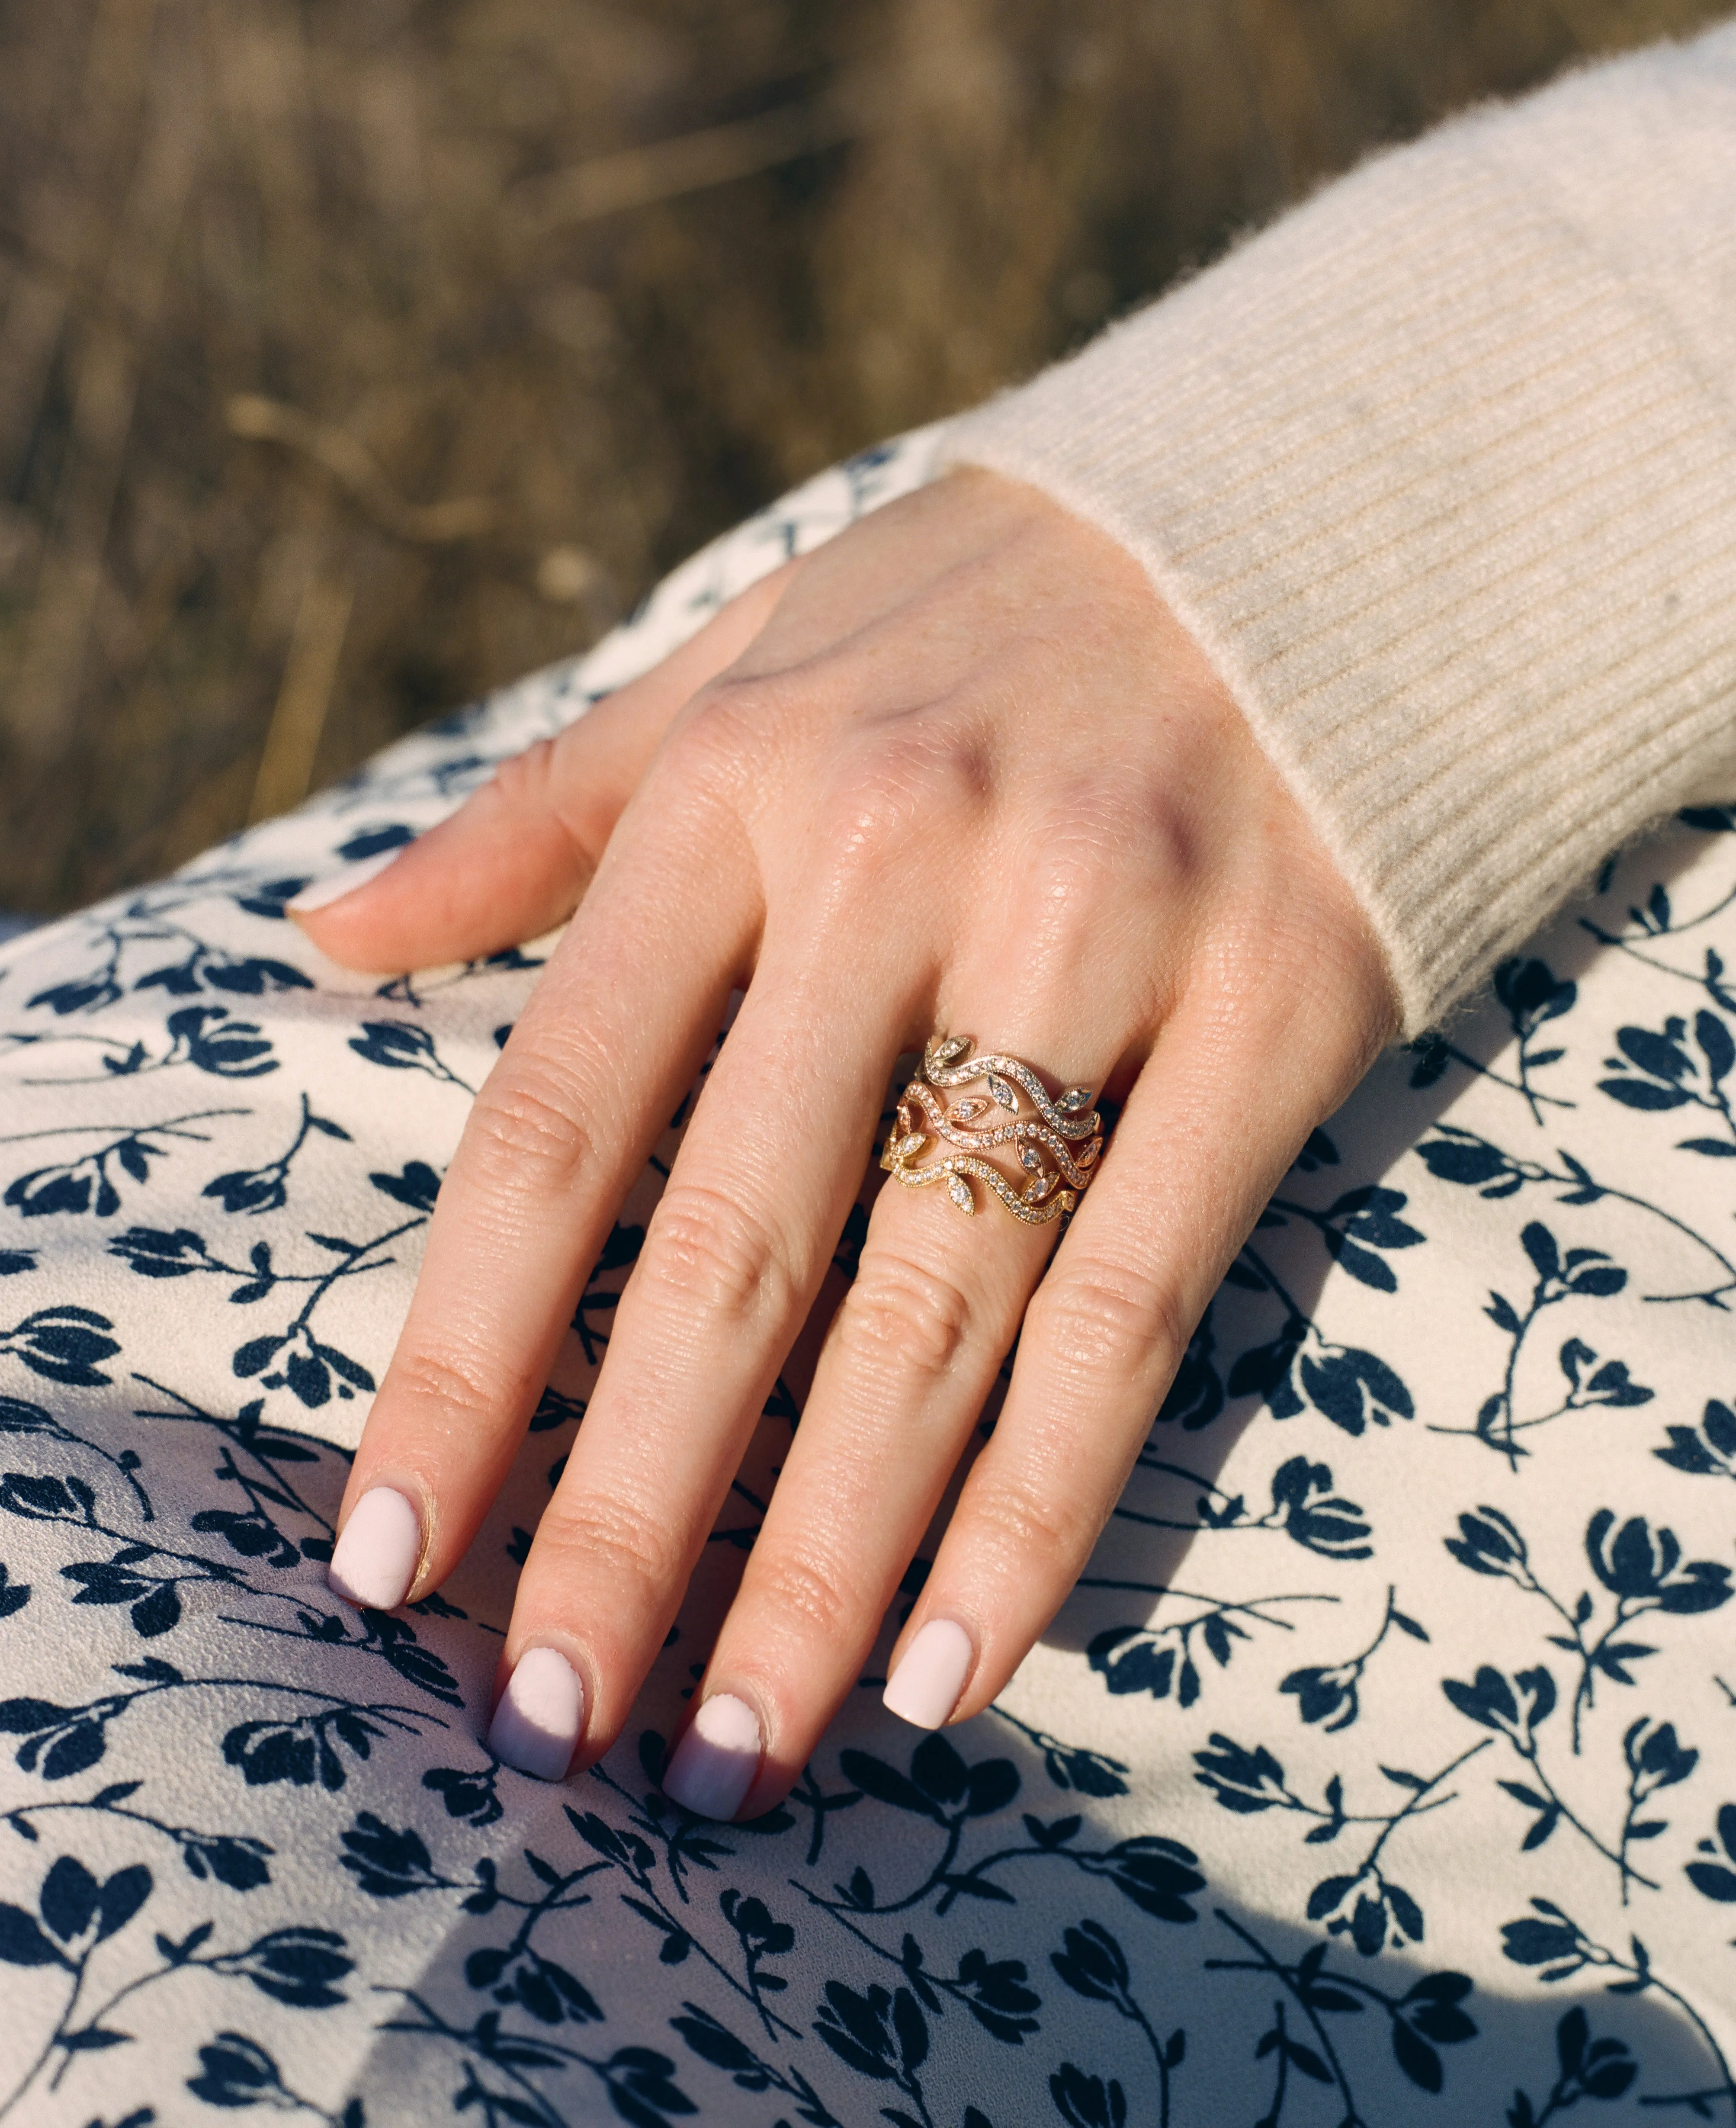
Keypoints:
pixel 1380 1770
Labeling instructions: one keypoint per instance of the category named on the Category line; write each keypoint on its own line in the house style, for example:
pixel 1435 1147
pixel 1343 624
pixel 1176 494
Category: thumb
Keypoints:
pixel 516 856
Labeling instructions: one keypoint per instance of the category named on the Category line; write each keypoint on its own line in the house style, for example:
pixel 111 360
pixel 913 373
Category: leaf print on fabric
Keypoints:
pixel 265 1189
pixel 1092 1965
pixel 1656 1761
pixel 19 1416
pixel 1515 1709
pixel 1658 1072
pixel 1708 1450
pixel 879 2034
pixel 1357 1224
pixel 1153 1657
pixel 1583 1273
pixel 416 989
pixel 307 1366
pixel 76 1912
pixel 398 1045
pixel 86 1183
pixel 1588 2069
pixel 61 1741
pixel 685 1843
pixel 470 1796
pixel 1196 1396
pixel 1533 996
pixel 1330 1693
pixel 619 1253
pixel 994 1992
pixel 1072 1766
pixel 1086 2101
pixel 252 1457
pixel 236 2071
pixel 1425 2018
pixel 1303 1506
pixel 1717 1879
pixel 637 2082
pixel 1459 1155
pixel 1655 921
pixel 200 1035
pixel 1638 1569
pixel 1363 1902
pixel 1549 1938
pixel 1156 1874
pixel 147 919
pixel 391 1865
pixel 713 2042
pixel 236 1860
pixel 63 1345
pixel 1302 1367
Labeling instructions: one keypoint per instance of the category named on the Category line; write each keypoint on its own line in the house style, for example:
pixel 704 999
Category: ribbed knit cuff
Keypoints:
pixel 1441 471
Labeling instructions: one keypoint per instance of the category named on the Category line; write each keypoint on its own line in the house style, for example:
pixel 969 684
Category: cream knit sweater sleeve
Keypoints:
pixel 1441 471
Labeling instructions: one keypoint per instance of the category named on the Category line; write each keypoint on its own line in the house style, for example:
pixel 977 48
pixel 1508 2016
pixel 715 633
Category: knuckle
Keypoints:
pixel 813 1590
pixel 892 788
pixel 538 790
pixel 900 1314
pixel 710 1249
pixel 1030 1527
pixel 621 1541
pixel 1108 836
pixel 445 1383
pixel 526 779
pixel 1105 1318
pixel 527 1125
pixel 718 748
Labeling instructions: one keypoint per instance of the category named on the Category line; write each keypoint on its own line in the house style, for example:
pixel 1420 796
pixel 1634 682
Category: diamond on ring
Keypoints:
pixel 1055 1140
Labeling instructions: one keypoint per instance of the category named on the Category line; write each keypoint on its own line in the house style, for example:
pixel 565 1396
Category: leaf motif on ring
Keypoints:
pixel 961 1112
pixel 1032 1158
pixel 1073 1100
pixel 958 1190
pixel 1003 1092
pixel 907 1149
pixel 955 1045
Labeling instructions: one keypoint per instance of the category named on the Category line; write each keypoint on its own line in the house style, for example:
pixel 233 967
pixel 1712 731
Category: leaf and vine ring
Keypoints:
pixel 1056 1141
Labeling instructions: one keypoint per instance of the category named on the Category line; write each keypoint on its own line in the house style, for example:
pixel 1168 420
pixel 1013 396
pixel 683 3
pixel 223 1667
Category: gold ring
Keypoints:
pixel 1057 1144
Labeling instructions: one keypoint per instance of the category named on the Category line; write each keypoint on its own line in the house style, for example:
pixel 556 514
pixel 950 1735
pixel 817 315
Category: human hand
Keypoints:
pixel 960 770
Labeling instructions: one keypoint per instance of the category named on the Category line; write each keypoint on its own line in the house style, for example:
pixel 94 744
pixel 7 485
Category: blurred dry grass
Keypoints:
pixel 355 354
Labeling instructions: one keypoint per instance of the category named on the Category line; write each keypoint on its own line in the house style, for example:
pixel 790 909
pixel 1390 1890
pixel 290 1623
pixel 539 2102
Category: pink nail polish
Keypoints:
pixel 715 1762
pixel 375 1560
pixel 925 1687
pixel 321 893
pixel 536 1726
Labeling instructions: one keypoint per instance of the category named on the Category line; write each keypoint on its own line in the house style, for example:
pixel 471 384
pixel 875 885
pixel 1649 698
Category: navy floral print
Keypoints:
pixel 1380 1770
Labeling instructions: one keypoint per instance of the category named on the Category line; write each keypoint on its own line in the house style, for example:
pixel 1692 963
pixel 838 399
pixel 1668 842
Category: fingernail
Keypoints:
pixel 375 1560
pixel 321 893
pixel 925 1687
pixel 536 1726
pixel 715 1762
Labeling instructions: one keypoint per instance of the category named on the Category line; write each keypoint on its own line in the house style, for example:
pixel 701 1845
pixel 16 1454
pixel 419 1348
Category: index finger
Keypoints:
pixel 612 1036
pixel 514 858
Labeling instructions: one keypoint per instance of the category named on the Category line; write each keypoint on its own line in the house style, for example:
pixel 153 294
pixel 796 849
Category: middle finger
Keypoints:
pixel 733 1258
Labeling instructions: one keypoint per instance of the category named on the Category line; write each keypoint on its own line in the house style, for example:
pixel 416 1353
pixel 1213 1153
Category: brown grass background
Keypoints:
pixel 358 355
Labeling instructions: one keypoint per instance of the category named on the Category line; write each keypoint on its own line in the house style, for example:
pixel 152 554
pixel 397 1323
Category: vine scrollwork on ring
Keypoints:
pixel 1056 1143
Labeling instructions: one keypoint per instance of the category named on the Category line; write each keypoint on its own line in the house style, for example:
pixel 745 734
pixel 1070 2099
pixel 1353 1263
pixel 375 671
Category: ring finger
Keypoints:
pixel 904 1372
